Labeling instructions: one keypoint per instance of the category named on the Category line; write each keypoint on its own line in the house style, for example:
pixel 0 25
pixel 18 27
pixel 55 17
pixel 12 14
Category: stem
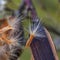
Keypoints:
pixel 7 28
pixel 29 40
pixel 5 39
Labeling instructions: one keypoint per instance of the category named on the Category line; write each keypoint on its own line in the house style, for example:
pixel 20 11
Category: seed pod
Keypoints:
pixel 42 45
pixel 13 50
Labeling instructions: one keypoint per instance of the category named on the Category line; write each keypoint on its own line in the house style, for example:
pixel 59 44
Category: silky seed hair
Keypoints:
pixel 16 35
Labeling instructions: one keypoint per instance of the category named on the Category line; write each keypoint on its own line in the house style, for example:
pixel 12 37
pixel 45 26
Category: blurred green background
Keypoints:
pixel 49 13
